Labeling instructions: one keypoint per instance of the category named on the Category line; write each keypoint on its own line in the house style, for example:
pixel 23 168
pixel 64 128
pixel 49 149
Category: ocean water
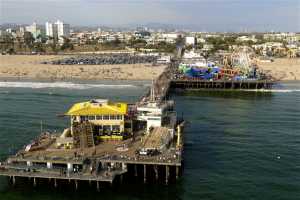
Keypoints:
pixel 238 145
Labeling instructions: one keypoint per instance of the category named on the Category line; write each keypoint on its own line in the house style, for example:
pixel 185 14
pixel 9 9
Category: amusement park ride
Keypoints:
pixel 240 62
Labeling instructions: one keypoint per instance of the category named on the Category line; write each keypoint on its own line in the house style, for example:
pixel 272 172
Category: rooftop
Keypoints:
pixel 98 107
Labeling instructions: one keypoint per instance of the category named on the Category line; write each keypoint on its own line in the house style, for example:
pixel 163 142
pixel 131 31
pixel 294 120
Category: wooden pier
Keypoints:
pixel 166 83
pixel 198 84
pixel 98 164
pixel 104 163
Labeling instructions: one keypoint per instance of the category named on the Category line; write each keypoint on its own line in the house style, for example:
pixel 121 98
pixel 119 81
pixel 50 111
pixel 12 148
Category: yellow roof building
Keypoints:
pixel 97 107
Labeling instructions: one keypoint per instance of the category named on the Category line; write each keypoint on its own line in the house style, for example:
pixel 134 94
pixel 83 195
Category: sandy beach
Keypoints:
pixel 284 69
pixel 30 67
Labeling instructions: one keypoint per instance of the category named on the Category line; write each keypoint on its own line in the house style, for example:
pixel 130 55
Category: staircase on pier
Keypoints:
pixel 83 135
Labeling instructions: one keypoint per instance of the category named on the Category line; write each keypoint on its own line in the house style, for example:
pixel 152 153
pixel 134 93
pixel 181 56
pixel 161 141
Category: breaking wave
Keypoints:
pixel 275 90
pixel 287 90
pixel 68 85
pixel 4 92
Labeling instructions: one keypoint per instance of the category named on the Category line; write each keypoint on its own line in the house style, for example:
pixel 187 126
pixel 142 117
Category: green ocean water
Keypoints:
pixel 239 145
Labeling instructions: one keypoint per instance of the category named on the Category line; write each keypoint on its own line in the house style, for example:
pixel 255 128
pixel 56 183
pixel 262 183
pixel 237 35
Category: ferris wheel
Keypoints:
pixel 242 58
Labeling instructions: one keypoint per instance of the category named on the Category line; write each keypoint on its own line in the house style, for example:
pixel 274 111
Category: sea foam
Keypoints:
pixel 68 85
pixel 274 90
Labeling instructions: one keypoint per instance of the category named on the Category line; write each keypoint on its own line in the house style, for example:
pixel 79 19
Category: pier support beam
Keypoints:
pixel 145 173
pixel 13 180
pixel 49 165
pixel 70 167
pixel 29 163
pixel 76 185
pixel 34 182
pixel 124 166
pixel 167 174
pixel 121 178
pixel 178 136
pixel 98 186
pixel 156 172
pixel 55 183
pixel 135 171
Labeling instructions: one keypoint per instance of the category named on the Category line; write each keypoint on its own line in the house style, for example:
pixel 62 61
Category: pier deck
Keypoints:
pixel 101 163
pixel 166 83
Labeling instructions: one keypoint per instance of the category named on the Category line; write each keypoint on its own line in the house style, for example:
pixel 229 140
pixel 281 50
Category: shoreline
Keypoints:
pixel 84 80
pixel 12 81
pixel 75 80
pixel 77 85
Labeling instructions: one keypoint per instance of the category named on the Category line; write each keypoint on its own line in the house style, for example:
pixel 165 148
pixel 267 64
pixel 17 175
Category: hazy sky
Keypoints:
pixel 209 15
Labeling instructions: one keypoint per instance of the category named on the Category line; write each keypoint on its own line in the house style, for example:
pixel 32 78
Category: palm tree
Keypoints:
pixel 19 42
pixel 7 42
pixel 53 44
pixel 28 39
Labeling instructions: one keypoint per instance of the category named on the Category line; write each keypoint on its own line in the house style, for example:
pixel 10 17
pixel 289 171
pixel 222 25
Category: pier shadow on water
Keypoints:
pixel 131 189
pixel 234 94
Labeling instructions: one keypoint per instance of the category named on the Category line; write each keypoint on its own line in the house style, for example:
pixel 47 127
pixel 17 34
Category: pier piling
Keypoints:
pixel 156 172
pixel 177 172
pixel 55 183
pixel 135 171
pixel 98 186
pixel 145 174
pixel 34 182
pixel 121 178
pixel 167 174
pixel 76 185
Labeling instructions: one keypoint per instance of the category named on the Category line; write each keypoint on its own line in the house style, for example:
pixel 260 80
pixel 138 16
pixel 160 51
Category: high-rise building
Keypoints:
pixel 62 29
pixel 57 30
pixel 33 29
pixel 49 29
pixel 22 29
